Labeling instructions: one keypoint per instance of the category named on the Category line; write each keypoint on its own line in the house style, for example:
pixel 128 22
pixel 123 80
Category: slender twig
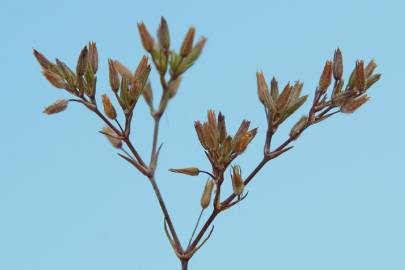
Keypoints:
pixel 195 227
pixel 207 173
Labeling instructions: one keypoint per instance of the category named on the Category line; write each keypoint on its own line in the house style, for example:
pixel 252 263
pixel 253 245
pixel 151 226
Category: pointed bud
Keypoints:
pixel 262 88
pixel 284 98
pixel 42 60
pixel 274 89
pixel 163 34
pixel 82 62
pixel 146 38
pixel 148 94
pixel 337 65
pixel 298 127
pixel 372 80
pixel 123 70
pixel 173 87
pixel 353 104
pixel 191 57
pixel 56 80
pixel 360 76
pixel 371 66
pixel 326 77
pixel 192 171
pixel 187 44
pixel 206 196
pixel 112 137
pixel 237 181
pixel 56 107
pixel 109 109
pixel 113 74
pixel 93 57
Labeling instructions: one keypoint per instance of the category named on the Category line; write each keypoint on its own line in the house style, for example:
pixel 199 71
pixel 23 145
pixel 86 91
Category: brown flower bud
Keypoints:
pixel 284 98
pixel 237 181
pixel 337 65
pixel 82 62
pixel 146 38
pixel 42 60
pixel 109 109
pixel 371 66
pixel 173 87
pixel 123 70
pixel 163 34
pixel 206 196
pixel 360 76
pixel 93 57
pixel 187 44
pixel 262 88
pixel 298 127
pixel 353 104
pixel 274 88
pixel 326 77
pixel 55 79
pixel 113 74
pixel 56 107
pixel 112 137
pixel 192 171
pixel 372 80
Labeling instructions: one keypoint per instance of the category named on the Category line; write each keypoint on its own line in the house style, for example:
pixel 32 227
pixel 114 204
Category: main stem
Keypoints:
pixel 184 264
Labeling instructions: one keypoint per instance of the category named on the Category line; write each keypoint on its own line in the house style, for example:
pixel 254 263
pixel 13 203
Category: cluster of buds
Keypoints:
pixel 79 83
pixel 127 86
pixel 163 56
pixel 220 147
pixel 279 106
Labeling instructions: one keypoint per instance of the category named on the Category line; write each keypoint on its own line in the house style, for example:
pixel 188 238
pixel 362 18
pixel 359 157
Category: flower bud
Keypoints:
pixel 112 137
pixel 114 79
pixel 42 60
pixel 174 86
pixel 146 38
pixel 93 56
pixel 372 80
pixel 206 196
pixel 192 171
pixel 262 88
pixel 360 76
pixel 56 107
pixel 163 34
pixel 353 104
pixel 326 77
pixel 237 181
pixel 274 88
pixel 55 79
pixel 187 44
pixel 371 66
pixel 298 127
pixel 338 65
pixel 82 62
pixel 109 109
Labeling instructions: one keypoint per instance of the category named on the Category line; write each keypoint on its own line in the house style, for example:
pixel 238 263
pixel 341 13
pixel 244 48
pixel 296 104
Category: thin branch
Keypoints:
pixel 195 227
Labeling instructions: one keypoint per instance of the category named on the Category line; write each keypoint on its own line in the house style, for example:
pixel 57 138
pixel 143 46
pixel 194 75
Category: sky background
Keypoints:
pixel 336 201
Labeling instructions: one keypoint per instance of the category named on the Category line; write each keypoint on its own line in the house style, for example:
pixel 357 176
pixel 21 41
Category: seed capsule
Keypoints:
pixel 206 196
pixel 109 109
pixel 56 107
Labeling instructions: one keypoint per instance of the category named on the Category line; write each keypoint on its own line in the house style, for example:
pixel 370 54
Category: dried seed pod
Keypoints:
pixel 113 74
pixel 371 66
pixel 187 44
pixel 93 56
pixel 123 70
pixel 55 79
pixel 56 107
pixel 82 62
pixel 112 137
pixel 353 104
pixel 337 65
pixel 284 98
pixel 42 60
pixel 163 34
pixel 372 80
pixel 326 77
pixel 206 196
pixel 262 88
pixel 200 133
pixel 109 109
pixel 192 171
pixel 297 128
pixel 146 38
pixel 237 181
pixel 360 76
pixel 274 89
pixel 221 127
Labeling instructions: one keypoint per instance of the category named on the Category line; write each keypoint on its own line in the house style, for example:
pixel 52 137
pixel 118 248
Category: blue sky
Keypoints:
pixel 334 202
